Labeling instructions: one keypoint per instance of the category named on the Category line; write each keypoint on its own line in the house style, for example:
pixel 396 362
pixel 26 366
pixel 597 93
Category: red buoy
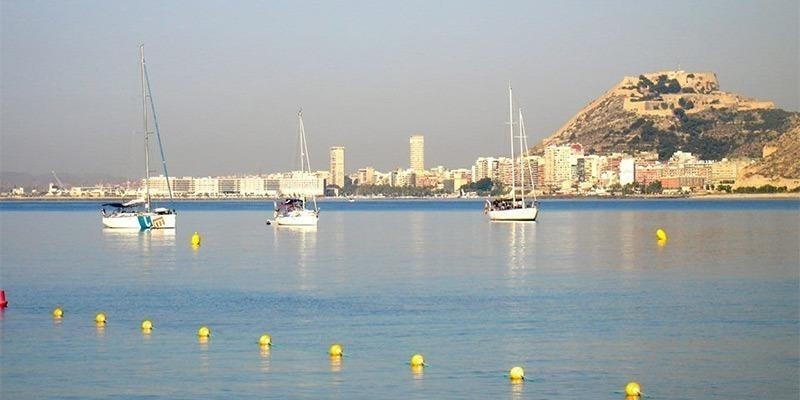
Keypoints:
pixel 3 301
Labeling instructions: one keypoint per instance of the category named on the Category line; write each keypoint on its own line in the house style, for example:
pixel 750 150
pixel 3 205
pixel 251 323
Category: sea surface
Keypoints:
pixel 585 300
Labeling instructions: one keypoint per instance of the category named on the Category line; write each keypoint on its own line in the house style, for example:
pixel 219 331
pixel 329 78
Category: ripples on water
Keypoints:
pixel 584 300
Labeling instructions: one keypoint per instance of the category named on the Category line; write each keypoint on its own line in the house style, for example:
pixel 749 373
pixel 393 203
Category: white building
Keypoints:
pixel 252 186
pixel 298 183
pixel 206 186
pixel 627 171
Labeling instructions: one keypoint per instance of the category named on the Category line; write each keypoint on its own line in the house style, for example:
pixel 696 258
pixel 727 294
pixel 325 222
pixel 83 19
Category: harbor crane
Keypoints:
pixel 58 181
pixel 59 187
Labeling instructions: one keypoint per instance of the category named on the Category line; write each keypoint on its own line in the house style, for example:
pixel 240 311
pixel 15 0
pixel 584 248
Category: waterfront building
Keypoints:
pixel 299 183
pixel 180 186
pixel 484 167
pixel 207 186
pixel 426 180
pixel 459 177
pixel 557 165
pixel 627 171
pixel 366 176
pixel 272 184
pixel 417 153
pixel 228 186
pixel 648 172
pixel 337 171
pixel 682 183
pixel 402 178
pixel 382 178
pixel 591 168
pixel 252 186
pixel 529 171
pixel 503 171
pixel 726 171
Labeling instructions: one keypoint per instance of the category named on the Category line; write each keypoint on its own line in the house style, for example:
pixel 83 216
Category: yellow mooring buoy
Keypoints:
pixel 147 325
pixel 516 374
pixel 100 319
pixel 633 389
pixel 203 332
pixel 196 239
pixel 417 360
pixel 265 340
pixel 58 313
pixel 661 235
pixel 336 350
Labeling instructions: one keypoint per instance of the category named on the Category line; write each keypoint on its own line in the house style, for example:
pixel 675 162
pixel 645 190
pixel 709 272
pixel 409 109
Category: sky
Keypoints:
pixel 228 77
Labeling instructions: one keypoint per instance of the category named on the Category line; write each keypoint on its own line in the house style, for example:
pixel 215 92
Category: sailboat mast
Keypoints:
pixel 305 166
pixel 521 159
pixel 511 134
pixel 146 133
pixel 305 162
pixel 524 150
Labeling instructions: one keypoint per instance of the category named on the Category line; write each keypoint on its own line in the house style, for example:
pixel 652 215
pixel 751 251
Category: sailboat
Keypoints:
pixel 140 213
pixel 296 211
pixel 514 206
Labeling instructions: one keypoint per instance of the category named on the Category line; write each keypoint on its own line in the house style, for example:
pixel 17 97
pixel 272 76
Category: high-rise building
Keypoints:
pixel 417 153
pixel 337 166
pixel 557 165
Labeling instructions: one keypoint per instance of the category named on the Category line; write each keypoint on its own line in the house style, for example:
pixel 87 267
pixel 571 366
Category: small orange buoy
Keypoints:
pixel 3 302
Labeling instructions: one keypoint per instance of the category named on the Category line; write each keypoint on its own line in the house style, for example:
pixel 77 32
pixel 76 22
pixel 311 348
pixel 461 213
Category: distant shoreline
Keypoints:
pixel 715 196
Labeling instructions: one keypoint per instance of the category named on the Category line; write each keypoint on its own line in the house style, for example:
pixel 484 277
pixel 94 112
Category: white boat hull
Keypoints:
pixel 298 218
pixel 140 220
pixel 514 214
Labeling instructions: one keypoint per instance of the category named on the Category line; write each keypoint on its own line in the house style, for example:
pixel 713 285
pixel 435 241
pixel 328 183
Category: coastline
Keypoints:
pixel 710 196
pixel 747 196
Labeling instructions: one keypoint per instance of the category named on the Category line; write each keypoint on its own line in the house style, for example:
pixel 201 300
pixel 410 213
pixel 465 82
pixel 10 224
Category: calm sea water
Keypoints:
pixel 584 300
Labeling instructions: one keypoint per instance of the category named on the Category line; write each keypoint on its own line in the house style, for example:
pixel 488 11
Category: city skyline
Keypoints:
pixel 227 81
pixel 563 169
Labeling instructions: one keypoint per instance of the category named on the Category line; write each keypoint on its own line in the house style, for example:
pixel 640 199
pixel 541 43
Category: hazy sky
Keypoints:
pixel 229 76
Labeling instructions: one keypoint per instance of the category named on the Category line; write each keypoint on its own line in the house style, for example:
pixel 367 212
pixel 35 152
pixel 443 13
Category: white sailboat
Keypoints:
pixel 295 211
pixel 515 207
pixel 140 213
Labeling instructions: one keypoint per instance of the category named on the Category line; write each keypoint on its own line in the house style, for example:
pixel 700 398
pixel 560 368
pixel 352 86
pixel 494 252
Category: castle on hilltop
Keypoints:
pixel 661 93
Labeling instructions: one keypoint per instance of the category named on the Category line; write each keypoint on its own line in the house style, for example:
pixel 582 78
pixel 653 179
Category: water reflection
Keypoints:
pixel 417 375
pixel 336 363
pixel 205 364
pixel 304 240
pixel 417 227
pixel 519 236
pixel 134 239
pixel 142 249
pixel 264 353
pixel 517 392
pixel 628 238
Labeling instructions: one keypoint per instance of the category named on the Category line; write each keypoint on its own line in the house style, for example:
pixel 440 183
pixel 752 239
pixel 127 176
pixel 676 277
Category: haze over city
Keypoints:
pixel 228 78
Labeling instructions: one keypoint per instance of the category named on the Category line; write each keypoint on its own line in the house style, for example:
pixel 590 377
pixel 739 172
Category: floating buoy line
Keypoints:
pixel 632 390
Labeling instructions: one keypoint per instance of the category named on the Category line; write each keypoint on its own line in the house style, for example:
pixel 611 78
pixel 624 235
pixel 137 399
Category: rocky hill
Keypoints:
pixel 677 110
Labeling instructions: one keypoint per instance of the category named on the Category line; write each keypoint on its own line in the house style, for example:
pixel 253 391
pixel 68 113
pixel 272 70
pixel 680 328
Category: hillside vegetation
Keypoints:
pixel 668 111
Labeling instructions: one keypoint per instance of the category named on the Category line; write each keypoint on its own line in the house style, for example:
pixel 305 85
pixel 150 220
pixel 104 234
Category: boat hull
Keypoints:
pixel 141 221
pixel 514 214
pixel 297 218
